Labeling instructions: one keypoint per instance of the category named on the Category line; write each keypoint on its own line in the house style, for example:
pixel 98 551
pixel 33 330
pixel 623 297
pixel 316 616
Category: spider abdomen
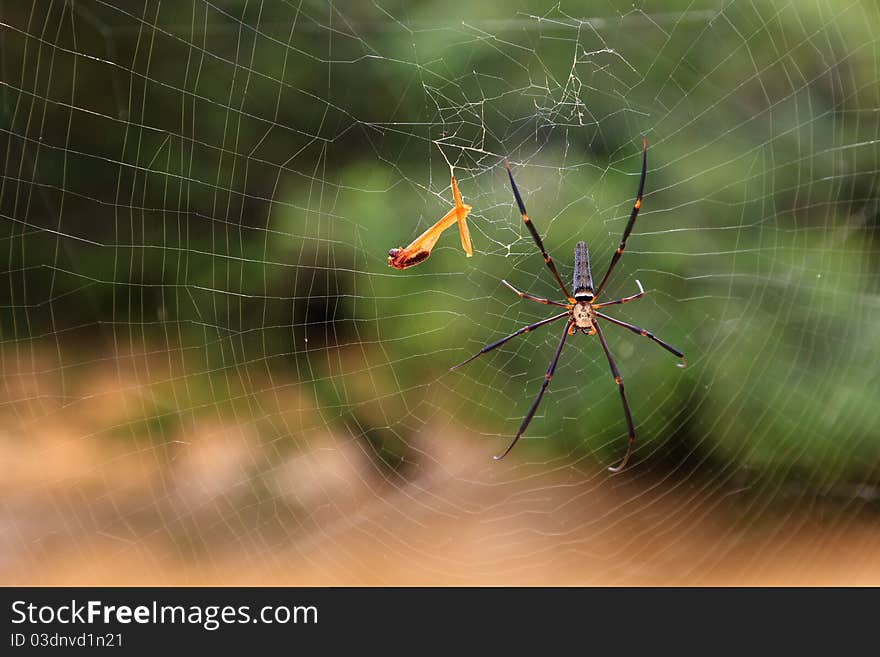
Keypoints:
pixel 582 282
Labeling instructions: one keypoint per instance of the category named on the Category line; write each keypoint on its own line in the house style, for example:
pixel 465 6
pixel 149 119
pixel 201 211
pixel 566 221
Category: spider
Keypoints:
pixel 420 248
pixel 581 311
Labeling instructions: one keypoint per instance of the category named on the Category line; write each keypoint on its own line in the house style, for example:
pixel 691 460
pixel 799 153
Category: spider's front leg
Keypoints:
pixel 647 334
pixel 631 431
pixel 498 343
pixel 534 407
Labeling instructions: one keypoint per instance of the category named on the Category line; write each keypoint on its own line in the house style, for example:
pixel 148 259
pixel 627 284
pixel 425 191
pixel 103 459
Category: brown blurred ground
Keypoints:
pixel 90 497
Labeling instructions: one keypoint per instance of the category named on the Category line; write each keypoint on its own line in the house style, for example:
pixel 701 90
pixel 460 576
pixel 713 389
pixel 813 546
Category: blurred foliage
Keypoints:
pixel 224 180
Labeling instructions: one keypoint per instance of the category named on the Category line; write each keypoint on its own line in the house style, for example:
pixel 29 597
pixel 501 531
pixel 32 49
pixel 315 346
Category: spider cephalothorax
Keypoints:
pixel 582 319
pixel 581 310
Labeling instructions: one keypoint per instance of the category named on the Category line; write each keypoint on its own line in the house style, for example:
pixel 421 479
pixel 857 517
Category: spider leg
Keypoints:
pixel 534 233
pixel 633 297
pixel 498 343
pixel 632 218
pixel 629 421
pixel 534 407
pixel 647 334
pixel 526 295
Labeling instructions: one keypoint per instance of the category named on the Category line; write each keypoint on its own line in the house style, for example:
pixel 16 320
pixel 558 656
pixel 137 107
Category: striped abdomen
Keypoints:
pixel 583 278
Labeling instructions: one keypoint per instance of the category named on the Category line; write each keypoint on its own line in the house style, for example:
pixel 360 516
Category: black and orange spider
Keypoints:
pixel 581 311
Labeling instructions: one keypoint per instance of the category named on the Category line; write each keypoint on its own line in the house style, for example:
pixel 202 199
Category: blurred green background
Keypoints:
pixel 198 200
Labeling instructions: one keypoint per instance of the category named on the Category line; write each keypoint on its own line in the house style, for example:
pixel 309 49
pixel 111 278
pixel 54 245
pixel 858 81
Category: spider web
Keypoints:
pixel 211 375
